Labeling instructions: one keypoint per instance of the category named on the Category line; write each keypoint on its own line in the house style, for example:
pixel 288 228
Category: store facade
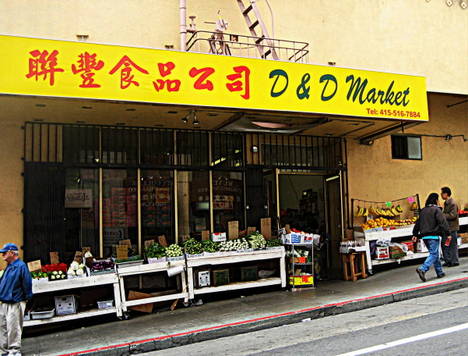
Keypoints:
pixel 268 139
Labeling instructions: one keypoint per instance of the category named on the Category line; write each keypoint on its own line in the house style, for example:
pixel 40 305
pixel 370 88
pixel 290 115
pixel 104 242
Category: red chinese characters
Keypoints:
pixel 126 65
pixel 86 65
pixel 240 81
pixel 43 64
pixel 171 85
pixel 202 82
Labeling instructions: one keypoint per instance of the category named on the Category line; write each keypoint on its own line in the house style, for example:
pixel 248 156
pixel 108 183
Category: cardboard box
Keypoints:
pixel 66 304
pixel 396 252
pixel 203 279
pixel 249 273
pixel 144 308
pixel 409 244
pixel 301 281
pixel 382 253
pixel 220 277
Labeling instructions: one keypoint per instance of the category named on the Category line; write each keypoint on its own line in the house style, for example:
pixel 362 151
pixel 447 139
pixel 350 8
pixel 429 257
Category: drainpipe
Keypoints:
pixel 183 24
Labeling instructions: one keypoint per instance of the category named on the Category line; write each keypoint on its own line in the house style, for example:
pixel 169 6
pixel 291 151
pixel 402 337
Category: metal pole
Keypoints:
pixel 183 24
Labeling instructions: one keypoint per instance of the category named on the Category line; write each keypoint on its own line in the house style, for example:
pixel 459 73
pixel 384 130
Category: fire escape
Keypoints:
pixel 258 45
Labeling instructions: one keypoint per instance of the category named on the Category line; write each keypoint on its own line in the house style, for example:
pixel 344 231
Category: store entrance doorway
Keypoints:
pixel 311 202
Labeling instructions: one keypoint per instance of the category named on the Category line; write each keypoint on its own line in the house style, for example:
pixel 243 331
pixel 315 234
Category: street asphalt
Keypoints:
pixel 433 325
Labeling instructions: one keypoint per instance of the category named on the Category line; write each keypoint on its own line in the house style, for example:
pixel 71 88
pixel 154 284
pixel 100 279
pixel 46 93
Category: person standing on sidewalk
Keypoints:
pixel 430 226
pixel 15 290
pixel 450 242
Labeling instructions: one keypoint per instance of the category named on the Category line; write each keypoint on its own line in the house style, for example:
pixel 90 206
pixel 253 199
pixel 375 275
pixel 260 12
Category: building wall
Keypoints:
pixel 375 176
pixel 407 36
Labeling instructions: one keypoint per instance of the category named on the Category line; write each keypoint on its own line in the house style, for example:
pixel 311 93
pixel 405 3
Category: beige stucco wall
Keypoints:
pixel 424 37
pixel 375 176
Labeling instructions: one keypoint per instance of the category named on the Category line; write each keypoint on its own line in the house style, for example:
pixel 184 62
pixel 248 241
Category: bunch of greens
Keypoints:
pixel 273 242
pixel 155 250
pixel 174 250
pixel 256 241
pixel 193 247
pixel 210 246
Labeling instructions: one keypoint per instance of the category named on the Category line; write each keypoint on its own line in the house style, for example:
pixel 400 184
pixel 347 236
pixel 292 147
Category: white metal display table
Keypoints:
pixel 151 268
pixel 223 258
pixel 79 283
pixel 391 234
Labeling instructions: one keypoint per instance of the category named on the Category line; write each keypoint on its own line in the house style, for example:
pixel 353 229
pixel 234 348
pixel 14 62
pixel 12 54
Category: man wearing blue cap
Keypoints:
pixel 15 290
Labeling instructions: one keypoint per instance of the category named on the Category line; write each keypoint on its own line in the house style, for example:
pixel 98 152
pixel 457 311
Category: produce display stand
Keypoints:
pixel 79 283
pixel 151 268
pixel 224 258
pixel 388 235
pixel 309 265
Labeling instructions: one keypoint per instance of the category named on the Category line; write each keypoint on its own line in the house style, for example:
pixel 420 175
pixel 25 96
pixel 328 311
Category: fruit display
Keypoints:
pixel 376 211
pixel 256 241
pixel 155 250
pixel 193 247
pixel 234 245
pixel 55 268
pixel 383 222
pixel 101 266
pixel 174 250
pixel 210 246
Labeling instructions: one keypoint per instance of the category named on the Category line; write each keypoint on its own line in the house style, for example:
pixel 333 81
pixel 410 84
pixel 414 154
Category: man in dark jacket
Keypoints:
pixel 15 290
pixel 429 227
pixel 449 242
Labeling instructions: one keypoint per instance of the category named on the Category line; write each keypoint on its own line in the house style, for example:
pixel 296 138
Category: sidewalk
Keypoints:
pixel 240 315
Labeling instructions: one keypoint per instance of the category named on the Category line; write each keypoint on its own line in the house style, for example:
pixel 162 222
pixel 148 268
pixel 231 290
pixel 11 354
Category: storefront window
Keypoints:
pixel 193 202
pixel 120 217
pixel 228 199
pixel 81 209
pixel 157 204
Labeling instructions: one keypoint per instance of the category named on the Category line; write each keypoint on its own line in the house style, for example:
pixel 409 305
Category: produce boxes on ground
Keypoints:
pixel 409 244
pixel 301 281
pixel 220 277
pixel 65 305
pixel 105 304
pixel 144 308
pixel 382 253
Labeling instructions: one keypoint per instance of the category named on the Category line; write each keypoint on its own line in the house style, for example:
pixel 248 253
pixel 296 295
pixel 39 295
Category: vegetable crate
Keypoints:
pixel 66 305
pixel 220 277
pixel 249 273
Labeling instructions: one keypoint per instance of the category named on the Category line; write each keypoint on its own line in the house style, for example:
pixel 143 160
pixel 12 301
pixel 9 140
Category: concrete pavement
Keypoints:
pixel 240 315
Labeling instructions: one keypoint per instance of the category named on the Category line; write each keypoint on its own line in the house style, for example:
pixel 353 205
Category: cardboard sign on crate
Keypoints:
pixel 54 257
pixel 251 230
pixel 122 252
pixel 205 235
pixel 34 266
pixel 233 230
pixel 148 243
pixel 162 240
pixel 266 228
pixel 125 243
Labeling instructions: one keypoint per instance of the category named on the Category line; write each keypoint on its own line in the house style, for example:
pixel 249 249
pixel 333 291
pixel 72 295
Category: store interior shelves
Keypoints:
pixel 61 318
pixel 240 285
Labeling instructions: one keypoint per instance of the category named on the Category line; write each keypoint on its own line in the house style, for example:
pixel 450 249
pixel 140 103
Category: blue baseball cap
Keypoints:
pixel 9 247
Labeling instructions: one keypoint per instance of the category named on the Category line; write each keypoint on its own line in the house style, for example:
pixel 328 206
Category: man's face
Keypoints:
pixel 8 256
pixel 444 196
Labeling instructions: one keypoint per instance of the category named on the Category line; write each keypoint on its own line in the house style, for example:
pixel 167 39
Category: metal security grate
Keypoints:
pixel 116 146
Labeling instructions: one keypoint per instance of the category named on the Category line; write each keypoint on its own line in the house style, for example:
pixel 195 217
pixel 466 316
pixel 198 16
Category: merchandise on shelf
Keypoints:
pixel 210 246
pixel 155 250
pixel 193 247
pixel 381 223
pixel 256 241
pixel 76 270
pixel 234 245
pixel 174 250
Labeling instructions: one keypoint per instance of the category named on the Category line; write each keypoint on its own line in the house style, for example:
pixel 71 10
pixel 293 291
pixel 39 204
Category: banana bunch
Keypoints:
pixel 362 211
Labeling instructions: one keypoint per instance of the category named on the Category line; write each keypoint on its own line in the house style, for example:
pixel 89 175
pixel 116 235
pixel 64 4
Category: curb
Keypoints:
pixel 246 326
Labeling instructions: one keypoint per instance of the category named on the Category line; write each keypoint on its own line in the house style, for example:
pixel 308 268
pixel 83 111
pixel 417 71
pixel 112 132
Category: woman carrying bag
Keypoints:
pixel 430 226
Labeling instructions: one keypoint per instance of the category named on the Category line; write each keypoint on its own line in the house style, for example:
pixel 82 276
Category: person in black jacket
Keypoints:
pixel 430 226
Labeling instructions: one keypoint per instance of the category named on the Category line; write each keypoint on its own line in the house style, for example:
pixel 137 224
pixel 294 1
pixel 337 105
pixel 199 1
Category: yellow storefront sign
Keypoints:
pixel 30 66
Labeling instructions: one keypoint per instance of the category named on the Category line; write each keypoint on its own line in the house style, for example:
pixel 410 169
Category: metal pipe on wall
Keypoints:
pixel 183 24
